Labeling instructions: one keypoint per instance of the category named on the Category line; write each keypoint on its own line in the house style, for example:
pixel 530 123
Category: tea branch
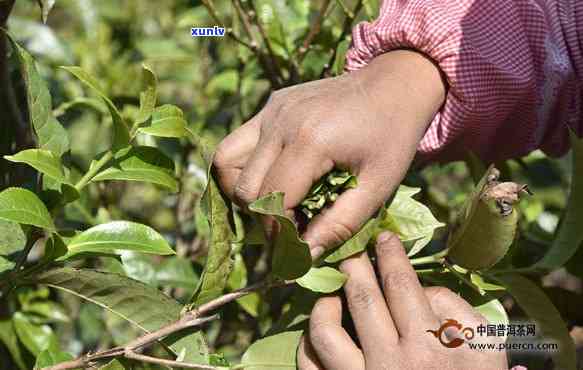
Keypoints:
pixel 438 257
pixel 93 170
pixel 195 317
pixel 209 5
pixel 253 16
pixel 350 16
pixel 273 74
pixel 314 30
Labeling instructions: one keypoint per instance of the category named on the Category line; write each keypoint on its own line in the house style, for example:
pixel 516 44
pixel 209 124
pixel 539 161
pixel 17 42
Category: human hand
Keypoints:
pixel 369 122
pixel 391 323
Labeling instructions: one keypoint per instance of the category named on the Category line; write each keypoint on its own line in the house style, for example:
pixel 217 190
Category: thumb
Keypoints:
pixel 349 212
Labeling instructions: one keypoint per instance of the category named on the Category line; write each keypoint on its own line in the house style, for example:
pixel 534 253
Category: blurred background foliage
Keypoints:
pixel 219 84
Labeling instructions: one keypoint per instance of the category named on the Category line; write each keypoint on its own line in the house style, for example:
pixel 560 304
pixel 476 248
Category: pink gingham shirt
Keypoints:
pixel 514 70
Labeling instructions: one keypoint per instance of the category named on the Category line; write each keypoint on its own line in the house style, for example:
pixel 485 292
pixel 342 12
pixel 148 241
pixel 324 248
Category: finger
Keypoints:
pixel 346 216
pixel 294 172
pixel 233 153
pixel 449 305
pixel 334 347
pixel 410 308
pixel 307 359
pixel 367 306
pixel 251 178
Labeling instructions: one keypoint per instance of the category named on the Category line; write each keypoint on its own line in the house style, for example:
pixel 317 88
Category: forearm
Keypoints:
pixel 404 90
pixel 415 76
pixel 508 92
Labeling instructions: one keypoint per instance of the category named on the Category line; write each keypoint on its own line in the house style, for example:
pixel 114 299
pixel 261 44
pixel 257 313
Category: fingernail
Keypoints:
pixel 384 237
pixel 317 252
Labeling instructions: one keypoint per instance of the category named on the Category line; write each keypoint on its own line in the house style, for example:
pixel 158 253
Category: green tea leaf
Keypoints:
pixel 250 303
pixel 356 244
pixel 143 306
pixel 569 236
pixel 408 191
pixel 24 207
pixel 493 311
pixel 218 264
pixel 297 317
pixel 6 264
pixel 539 308
pixel 138 266
pixel 50 312
pixel 218 359
pixel 176 272
pixel 482 284
pixel 113 365
pixel 167 121
pixel 121 133
pixel 42 160
pixel 237 280
pixel 49 132
pixel 12 242
pixel 273 352
pixel 81 103
pixel 54 248
pixel 322 279
pixel 147 97
pixel 238 276
pixel 51 356
pixel 118 235
pixel 35 338
pixel 291 256
pixel 411 220
pixel 224 82
pixel 141 163
pixel 325 191
pixel 10 339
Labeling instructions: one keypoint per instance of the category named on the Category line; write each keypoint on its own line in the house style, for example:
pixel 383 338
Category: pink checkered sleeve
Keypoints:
pixel 512 67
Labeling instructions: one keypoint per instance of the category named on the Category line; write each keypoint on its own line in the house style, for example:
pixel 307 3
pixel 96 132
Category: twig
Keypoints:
pixel 243 16
pixel 430 271
pixel 186 321
pixel 265 63
pixel 160 361
pixel 314 30
pixel 265 39
pixel 192 318
pixel 208 4
pixel 434 258
pixel 345 9
pixel 345 29
pixel 94 170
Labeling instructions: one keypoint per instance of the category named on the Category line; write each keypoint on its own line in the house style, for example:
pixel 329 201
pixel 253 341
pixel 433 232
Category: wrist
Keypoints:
pixel 409 75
